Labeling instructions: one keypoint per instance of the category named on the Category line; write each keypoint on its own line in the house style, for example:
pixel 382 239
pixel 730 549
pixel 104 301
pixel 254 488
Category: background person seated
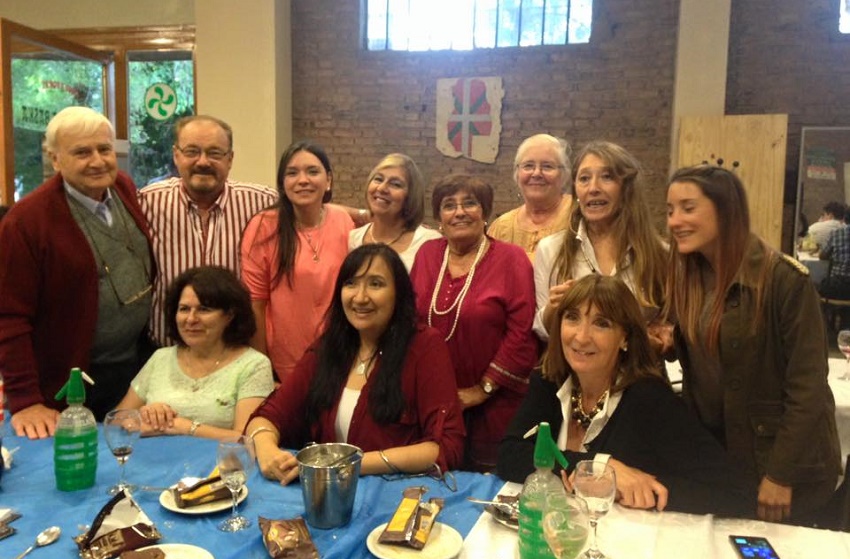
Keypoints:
pixel 837 251
pixel 374 379
pixel 831 219
pixel 601 393
pixel 210 383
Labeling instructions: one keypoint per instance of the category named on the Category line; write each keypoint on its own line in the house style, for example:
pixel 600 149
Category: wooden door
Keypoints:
pixel 758 143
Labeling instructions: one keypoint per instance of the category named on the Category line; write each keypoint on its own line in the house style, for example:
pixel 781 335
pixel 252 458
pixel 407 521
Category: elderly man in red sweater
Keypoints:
pixel 75 277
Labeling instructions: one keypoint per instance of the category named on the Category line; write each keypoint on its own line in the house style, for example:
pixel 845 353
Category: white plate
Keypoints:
pixel 444 543
pixel 181 551
pixel 166 499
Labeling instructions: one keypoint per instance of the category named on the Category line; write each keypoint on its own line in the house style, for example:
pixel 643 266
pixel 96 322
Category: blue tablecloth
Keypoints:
pixel 30 489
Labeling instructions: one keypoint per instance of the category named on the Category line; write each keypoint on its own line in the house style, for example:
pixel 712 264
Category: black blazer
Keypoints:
pixel 651 430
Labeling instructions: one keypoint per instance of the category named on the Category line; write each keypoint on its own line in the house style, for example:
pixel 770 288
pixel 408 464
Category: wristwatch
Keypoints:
pixel 488 387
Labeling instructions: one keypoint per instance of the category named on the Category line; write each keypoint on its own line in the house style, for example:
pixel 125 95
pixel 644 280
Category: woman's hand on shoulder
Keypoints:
pixel 158 416
pixel 277 464
pixel 557 292
pixel 637 489
pixel 472 396
pixel 660 337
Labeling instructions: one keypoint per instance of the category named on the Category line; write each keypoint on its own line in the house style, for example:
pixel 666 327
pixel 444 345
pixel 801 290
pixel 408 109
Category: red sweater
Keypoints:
pixel 48 292
pixel 432 413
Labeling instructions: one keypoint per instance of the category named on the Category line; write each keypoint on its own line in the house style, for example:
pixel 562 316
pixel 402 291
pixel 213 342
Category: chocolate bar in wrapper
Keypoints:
pixel 413 520
pixel 120 526
pixel 288 538
pixel 205 491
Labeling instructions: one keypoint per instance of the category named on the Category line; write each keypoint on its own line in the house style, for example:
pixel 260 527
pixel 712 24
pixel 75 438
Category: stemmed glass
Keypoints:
pixel 235 461
pixel 844 347
pixel 122 429
pixel 595 485
pixel 564 525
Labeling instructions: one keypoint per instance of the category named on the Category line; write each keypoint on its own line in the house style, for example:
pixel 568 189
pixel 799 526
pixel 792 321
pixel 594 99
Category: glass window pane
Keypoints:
pixel 397 30
pixel 844 20
pixel 161 90
pixel 531 32
pixel 43 83
pixel 508 32
pixel 376 24
pixel 486 13
pixel 555 23
pixel 581 16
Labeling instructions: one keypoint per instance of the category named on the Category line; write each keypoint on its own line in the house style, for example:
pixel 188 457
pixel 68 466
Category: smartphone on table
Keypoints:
pixel 753 547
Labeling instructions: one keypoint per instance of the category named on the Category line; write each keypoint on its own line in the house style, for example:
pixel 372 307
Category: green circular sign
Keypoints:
pixel 160 101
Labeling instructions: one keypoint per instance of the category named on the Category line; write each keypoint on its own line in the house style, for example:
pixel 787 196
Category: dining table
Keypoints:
pixel 28 488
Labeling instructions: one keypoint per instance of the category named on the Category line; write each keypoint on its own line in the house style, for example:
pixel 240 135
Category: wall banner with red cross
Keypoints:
pixel 469 112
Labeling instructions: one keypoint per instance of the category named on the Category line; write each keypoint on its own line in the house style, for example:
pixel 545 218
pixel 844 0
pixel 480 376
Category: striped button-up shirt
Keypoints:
pixel 180 241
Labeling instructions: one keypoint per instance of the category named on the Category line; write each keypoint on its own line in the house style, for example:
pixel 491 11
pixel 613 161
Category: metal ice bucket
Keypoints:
pixel 329 474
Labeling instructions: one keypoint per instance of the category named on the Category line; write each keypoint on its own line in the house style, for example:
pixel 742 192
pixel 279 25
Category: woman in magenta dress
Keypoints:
pixel 479 293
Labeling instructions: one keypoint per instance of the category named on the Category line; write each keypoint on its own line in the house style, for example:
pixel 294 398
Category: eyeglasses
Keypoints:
pixel 434 472
pixel 451 206
pixel 130 300
pixel 545 168
pixel 194 152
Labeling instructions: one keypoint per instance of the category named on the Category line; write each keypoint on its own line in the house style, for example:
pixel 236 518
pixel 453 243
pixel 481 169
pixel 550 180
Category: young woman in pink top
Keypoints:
pixel 291 255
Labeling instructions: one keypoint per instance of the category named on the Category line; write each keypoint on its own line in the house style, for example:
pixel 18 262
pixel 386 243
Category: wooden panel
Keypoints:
pixel 758 143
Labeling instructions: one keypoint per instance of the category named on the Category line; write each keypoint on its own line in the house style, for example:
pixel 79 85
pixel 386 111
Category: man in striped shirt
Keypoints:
pixel 197 219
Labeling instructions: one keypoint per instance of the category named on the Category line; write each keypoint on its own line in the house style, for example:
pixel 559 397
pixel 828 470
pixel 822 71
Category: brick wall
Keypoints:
pixel 361 105
pixel 786 56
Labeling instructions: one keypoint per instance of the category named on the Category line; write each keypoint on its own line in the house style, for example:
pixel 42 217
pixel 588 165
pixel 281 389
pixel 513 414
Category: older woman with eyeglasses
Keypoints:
pixel 479 293
pixel 542 173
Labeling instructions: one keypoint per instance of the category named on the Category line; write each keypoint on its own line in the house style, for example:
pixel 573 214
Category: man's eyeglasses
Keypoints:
pixel 545 168
pixel 468 205
pixel 132 298
pixel 194 152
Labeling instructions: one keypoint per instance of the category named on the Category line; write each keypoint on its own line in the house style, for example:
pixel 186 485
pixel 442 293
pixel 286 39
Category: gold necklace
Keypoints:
pixel 578 414
pixel 308 235
pixel 458 302
pixel 197 382
pixel 391 243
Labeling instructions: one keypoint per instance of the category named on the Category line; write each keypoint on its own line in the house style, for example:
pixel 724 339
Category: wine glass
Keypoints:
pixel 564 525
pixel 595 485
pixel 122 429
pixel 844 347
pixel 235 461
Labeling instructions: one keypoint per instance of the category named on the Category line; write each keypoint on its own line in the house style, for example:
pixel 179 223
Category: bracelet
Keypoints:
pixel 259 430
pixel 389 464
pixel 194 427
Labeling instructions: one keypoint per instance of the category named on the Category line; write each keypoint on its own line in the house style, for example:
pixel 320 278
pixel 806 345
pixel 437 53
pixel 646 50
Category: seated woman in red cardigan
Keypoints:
pixel 376 379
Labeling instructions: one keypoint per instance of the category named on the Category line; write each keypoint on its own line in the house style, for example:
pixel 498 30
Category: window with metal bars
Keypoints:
pixel 422 25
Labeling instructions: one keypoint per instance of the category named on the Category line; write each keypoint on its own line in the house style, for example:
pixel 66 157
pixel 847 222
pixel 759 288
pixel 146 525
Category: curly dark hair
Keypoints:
pixel 216 288
pixel 340 341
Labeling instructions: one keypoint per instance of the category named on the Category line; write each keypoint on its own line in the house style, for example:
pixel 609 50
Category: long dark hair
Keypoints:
pixel 340 341
pixel 287 236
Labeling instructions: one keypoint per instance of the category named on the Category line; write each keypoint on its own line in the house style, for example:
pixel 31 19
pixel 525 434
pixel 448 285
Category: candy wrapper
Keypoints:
pixel 413 520
pixel 207 490
pixel 288 538
pixel 120 526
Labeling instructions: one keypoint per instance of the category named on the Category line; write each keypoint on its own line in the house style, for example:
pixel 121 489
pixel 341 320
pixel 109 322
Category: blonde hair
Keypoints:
pixel 413 209
pixel 632 226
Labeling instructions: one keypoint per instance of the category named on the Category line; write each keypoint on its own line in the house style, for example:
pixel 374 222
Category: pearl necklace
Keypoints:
pixel 458 302
pixel 578 414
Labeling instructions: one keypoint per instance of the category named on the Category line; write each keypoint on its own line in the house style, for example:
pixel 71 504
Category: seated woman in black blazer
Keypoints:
pixel 601 392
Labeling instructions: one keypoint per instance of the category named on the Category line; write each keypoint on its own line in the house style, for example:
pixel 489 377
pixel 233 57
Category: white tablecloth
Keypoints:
pixel 817 267
pixel 632 534
pixel 841 392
